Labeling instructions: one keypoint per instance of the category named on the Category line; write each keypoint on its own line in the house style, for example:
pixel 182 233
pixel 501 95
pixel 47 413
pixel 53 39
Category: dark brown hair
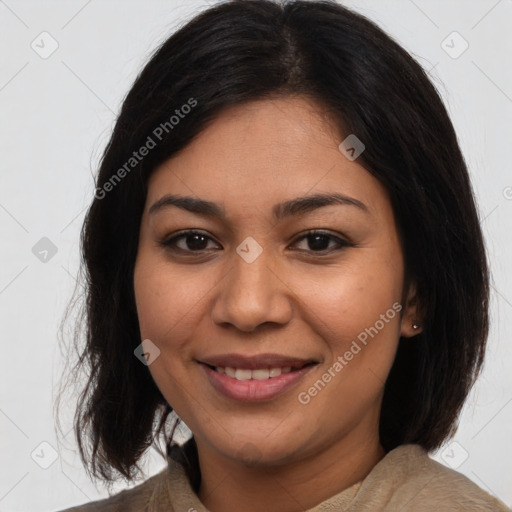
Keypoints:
pixel 244 50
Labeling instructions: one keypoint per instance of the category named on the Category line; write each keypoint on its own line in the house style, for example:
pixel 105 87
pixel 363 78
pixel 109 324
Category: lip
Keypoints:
pixel 256 361
pixel 253 390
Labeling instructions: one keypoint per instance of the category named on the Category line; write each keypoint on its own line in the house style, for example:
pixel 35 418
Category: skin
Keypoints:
pixel 294 299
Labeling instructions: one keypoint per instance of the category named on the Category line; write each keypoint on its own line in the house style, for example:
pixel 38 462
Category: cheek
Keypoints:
pixel 354 295
pixel 165 299
pixel 151 298
pixel 357 314
pixel 358 302
pixel 165 307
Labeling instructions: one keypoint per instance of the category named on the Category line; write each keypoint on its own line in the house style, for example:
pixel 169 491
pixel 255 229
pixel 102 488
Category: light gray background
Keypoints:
pixel 56 114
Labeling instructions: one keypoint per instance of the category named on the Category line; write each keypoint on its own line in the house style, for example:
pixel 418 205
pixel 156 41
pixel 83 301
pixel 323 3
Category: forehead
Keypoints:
pixel 262 152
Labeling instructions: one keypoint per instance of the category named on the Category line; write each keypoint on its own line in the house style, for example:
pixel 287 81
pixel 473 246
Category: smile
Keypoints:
pixel 258 374
pixel 254 385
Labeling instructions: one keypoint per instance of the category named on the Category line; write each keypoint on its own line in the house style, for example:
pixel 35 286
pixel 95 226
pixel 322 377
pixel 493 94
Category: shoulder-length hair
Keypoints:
pixel 243 50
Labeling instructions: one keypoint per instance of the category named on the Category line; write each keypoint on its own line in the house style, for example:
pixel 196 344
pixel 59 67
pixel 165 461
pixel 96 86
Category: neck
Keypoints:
pixel 229 486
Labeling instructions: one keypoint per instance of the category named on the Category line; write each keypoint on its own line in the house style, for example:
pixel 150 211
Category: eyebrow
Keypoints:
pixel 297 206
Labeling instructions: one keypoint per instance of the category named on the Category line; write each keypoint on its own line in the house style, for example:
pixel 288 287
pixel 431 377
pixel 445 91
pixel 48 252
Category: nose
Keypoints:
pixel 252 294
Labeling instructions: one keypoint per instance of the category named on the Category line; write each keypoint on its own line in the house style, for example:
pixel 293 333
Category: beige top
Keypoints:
pixel 406 479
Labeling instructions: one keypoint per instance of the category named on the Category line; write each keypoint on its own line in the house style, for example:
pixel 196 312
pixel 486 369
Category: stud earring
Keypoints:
pixel 415 326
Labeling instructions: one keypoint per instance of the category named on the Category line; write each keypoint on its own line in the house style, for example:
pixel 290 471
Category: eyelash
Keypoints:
pixel 170 243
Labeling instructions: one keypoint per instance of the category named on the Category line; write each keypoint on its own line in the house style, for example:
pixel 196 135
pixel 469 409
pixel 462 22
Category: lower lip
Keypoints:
pixel 253 390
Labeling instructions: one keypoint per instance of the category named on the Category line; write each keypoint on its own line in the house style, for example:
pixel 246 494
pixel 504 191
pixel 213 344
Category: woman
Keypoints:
pixel 284 251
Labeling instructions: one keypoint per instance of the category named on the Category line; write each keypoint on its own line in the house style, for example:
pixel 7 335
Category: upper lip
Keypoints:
pixel 256 361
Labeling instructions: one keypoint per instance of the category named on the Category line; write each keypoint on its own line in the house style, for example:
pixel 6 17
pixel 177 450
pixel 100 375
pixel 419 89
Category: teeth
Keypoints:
pixel 230 372
pixel 258 374
pixel 243 374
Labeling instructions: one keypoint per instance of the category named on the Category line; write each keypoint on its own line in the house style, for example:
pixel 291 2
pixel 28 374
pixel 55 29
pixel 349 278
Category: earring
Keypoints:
pixel 414 326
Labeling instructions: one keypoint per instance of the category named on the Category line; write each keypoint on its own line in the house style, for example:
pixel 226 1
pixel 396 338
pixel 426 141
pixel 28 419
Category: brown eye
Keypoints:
pixel 191 241
pixel 318 241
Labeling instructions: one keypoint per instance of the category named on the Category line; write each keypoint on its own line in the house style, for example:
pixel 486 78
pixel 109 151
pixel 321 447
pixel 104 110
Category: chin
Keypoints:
pixel 258 450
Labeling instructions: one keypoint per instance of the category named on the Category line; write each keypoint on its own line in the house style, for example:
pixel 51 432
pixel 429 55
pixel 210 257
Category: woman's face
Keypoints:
pixel 252 291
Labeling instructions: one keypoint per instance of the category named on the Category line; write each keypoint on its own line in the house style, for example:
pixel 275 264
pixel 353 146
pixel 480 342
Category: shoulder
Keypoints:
pixel 136 499
pixel 419 483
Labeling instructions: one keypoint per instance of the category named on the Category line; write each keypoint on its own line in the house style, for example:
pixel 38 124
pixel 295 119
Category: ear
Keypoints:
pixel 412 319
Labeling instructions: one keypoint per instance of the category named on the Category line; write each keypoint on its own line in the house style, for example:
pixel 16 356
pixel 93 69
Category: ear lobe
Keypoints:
pixel 412 319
